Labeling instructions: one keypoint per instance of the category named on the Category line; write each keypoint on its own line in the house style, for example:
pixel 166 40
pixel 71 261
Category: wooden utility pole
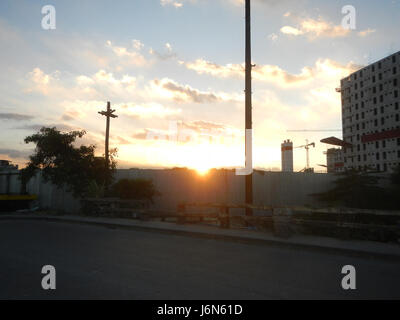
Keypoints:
pixel 249 123
pixel 108 114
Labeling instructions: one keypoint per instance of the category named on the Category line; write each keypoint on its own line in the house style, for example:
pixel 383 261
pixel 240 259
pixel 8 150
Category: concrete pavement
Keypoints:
pixel 372 249
pixel 99 262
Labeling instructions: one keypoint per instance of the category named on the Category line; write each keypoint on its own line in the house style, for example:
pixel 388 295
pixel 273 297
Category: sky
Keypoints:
pixel 174 72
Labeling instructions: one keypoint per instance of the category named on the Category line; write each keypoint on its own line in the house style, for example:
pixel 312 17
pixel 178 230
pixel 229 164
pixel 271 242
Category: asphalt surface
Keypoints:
pixel 94 262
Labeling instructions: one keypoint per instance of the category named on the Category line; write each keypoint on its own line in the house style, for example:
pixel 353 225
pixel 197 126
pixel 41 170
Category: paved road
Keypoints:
pixel 97 262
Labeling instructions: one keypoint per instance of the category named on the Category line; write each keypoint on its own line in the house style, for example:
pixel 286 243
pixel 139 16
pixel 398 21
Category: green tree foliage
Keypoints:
pixel 359 190
pixel 136 189
pixel 395 178
pixel 64 164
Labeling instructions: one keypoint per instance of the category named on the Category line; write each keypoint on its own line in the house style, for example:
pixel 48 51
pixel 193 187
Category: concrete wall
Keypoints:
pixel 269 188
pixel 177 185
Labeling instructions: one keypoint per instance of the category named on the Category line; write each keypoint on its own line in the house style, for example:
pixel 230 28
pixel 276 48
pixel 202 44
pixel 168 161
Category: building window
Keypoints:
pixel 377 144
pixel 395 82
pixel 394 70
pixel 393 59
pixel 377 156
pixel 396 94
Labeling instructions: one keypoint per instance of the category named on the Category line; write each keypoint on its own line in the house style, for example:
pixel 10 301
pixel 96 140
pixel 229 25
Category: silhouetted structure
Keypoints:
pixel 108 114
pixel 249 124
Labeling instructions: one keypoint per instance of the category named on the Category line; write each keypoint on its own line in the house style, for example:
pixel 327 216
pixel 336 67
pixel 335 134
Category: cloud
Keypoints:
pixel 15 116
pixel 137 44
pixel 272 73
pixel 133 57
pixel 99 86
pixel 121 141
pixel 169 54
pixel 202 66
pixel 315 28
pixel 16 154
pixel 273 37
pixel 37 127
pixel 183 93
pixel 147 110
pixel 366 32
pixel 151 134
pixel 197 131
pixel 72 115
pixel 108 78
pixel 291 31
pixel 174 3
pixel 40 81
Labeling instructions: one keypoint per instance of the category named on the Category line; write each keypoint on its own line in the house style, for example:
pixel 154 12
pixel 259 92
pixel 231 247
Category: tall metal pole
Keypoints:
pixel 249 124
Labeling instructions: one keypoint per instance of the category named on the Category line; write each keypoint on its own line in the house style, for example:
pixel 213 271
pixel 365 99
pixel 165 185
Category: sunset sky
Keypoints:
pixel 173 70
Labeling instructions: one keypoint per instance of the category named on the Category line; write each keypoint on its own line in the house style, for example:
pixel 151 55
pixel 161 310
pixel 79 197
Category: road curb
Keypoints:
pixel 213 236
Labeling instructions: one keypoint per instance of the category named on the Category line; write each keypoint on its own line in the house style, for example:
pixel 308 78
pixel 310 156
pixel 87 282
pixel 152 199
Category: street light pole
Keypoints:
pixel 248 105
pixel 108 114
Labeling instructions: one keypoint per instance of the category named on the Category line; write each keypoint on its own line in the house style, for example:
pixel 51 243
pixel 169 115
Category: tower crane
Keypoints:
pixel 307 147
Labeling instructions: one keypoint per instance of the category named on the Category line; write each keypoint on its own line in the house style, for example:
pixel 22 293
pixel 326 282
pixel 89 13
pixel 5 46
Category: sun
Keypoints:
pixel 202 171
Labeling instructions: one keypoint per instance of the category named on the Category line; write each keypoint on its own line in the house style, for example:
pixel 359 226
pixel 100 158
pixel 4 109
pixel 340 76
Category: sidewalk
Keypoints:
pixel 370 249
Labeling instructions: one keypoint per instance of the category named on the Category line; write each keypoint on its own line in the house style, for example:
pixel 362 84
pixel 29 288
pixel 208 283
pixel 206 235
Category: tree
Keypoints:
pixel 358 190
pixel 136 189
pixel 395 177
pixel 64 164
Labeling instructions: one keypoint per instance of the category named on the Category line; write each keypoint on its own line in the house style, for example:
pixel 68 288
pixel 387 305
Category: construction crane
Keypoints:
pixel 307 147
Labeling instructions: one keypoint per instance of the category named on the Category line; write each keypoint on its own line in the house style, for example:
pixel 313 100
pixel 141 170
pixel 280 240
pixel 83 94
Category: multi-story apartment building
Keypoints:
pixel 371 116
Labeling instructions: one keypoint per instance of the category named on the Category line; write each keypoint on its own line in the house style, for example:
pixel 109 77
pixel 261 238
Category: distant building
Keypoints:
pixel 5 165
pixel 371 116
pixel 334 160
pixel 287 156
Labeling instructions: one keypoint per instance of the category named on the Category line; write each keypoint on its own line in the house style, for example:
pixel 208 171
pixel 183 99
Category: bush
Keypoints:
pixel 135 189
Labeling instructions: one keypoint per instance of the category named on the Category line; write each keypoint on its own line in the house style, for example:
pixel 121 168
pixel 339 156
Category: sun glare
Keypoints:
pixel 202 171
